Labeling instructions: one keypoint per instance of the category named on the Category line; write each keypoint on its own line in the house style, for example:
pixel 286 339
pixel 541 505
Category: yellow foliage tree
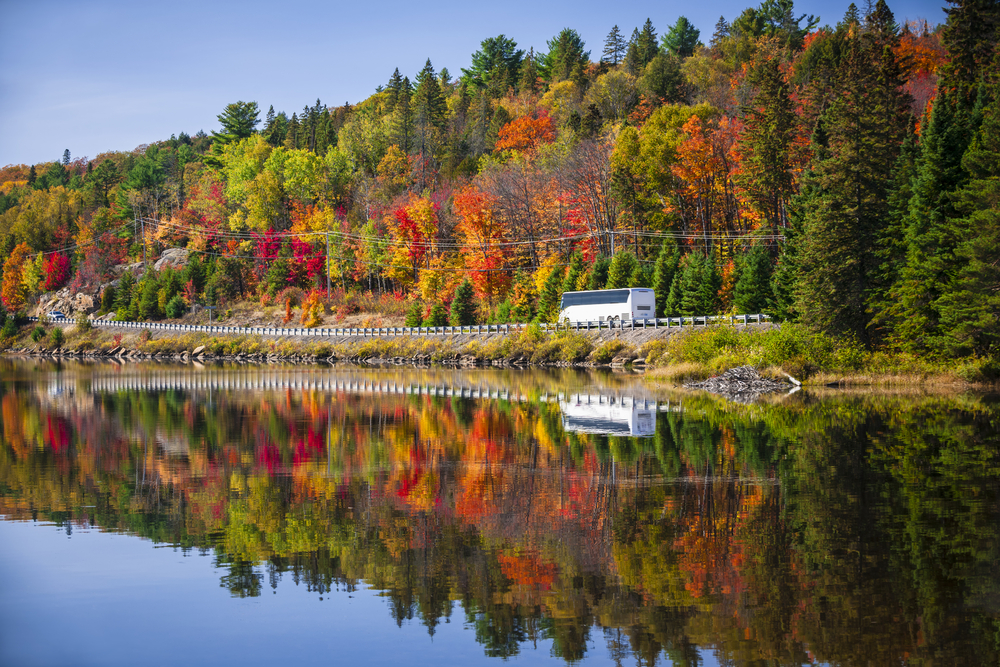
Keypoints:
pixel 14 292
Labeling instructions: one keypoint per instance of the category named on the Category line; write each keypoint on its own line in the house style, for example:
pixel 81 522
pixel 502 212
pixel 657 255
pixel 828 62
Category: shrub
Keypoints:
pixel 57 337
pixel 607 351
pixel 83 323
pixel 9 329
pixel 176 307
pixel 312 309
pixel 38 333
pixel 145 335
pixel 108 299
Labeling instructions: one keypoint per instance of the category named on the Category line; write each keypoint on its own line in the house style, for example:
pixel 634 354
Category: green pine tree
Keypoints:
pixel 463 306
pixel 415 314
pixel 848 211
pixel 623 264
pixel 663 274
pixel 576 270
pixel 752 291
pixel 549 299
pixel 599 273
pixel 438 316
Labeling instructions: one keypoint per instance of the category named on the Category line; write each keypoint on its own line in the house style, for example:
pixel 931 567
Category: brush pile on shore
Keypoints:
pixel 741 385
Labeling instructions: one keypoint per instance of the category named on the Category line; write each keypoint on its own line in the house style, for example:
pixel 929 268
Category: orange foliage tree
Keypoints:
pixel 526 133
pixel 483 246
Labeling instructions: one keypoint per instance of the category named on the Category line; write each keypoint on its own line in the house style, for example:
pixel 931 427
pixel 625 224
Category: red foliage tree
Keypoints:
pixel 56 271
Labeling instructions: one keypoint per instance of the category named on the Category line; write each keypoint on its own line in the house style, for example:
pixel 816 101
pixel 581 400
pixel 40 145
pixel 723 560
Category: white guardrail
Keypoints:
pixel 372 332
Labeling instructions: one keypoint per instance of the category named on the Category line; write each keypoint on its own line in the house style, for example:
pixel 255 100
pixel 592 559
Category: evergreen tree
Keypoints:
pixel 66 158
pixel 496 65
pixel 699 286
pixel 623 264
pixel 549 299
pixel 438 317
pixel 663 79
pixel 681 39
pixel 429 105
pixel 614 48
pixel 640 277
pixel 123 297
pixel 633 55
pixel 663 274
pixel 148 302
pixel 401 129
pixel 393 90
pixel 934 228
pixel 599 273
pixel 970 35
pixel 766 143
pixel 575 272
pixel 646 44
pixel 463 306
pixel 891 245
pixel 415 314
pixel 292 135
pixel 752 292
pixel 722 31
pixel 529 74
pixel 672 307
pixel 847 215
pixel 970 305
pixel 566 52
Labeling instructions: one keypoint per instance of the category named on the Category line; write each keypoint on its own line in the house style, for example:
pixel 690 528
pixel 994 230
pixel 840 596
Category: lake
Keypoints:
pixel 178 514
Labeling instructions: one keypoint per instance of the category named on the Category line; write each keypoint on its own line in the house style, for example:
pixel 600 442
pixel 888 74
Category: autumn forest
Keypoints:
pixel 844 175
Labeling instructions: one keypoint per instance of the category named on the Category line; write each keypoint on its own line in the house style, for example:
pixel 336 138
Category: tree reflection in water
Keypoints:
pixel 849 529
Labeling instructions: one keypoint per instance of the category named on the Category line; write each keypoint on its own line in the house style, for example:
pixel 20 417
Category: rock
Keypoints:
pixel 176 258
pixel 198 350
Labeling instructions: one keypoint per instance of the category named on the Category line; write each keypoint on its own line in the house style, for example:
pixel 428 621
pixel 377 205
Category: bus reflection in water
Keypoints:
pixel 608 415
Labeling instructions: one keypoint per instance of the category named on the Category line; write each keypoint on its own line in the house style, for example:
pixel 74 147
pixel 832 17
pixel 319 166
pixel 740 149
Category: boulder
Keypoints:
pixel 176 258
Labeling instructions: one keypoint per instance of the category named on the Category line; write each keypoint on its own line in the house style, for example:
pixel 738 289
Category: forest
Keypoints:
pixel 846 177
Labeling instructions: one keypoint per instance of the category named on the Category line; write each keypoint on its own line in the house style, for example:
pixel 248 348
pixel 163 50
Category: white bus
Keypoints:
pixel 633 303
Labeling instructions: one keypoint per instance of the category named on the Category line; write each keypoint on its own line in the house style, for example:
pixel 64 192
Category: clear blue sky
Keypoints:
pixel 101 75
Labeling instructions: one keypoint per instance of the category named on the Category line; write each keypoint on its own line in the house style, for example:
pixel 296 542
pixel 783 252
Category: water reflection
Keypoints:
pixel 609 415
pixel 573 508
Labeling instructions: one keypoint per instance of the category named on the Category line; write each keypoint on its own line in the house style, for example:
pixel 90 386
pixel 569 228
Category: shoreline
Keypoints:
pixel 652 352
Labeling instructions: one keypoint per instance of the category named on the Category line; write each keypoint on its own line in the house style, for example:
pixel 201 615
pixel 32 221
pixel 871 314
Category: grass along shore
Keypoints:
pixel 670 356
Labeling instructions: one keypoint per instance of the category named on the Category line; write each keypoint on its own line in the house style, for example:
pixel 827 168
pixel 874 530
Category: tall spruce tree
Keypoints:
pixel 970 306
pixel 623 264
pixel 663 274
pixel 935 228
pixel 767 141
pixel 614 48
pixel 848 211
pixel 752 291
pixel 681 39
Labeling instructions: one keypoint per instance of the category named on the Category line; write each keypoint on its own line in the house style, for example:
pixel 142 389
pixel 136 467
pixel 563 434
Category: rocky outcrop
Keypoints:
pixel 175 258
pixel 71 305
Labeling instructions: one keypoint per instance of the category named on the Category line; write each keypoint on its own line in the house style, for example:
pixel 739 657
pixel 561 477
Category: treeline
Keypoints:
pixel 844 176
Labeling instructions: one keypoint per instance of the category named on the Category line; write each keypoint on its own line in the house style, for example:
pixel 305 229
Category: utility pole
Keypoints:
pixel 328 261
pixel 144 267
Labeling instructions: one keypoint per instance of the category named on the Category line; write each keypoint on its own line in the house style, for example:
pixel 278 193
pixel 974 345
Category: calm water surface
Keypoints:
pixel 156 514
